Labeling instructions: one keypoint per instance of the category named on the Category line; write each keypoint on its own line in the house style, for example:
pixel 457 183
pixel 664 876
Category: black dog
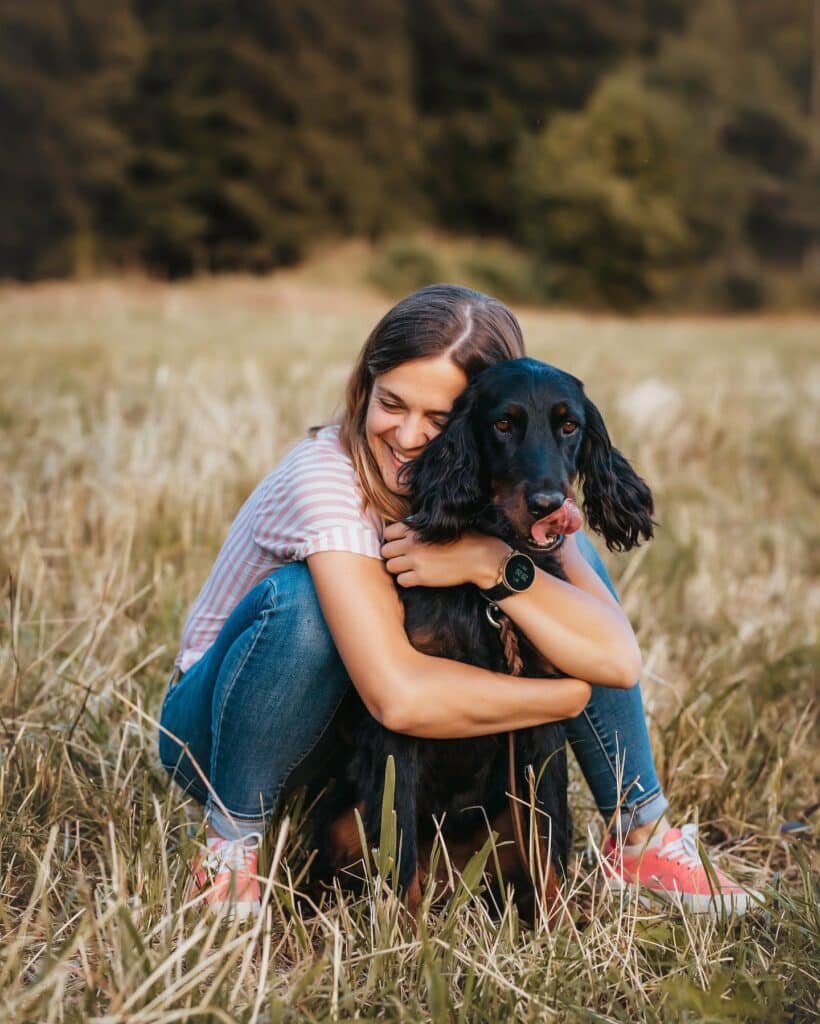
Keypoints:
pixel 516 440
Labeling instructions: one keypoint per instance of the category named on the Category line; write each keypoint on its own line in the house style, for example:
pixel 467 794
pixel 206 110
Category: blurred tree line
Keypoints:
pixel 649 151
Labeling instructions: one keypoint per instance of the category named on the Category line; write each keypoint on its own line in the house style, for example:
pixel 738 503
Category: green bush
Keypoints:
pixel 600 199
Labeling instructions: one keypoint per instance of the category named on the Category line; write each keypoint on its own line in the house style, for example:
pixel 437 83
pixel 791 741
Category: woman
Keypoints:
pixel 302 600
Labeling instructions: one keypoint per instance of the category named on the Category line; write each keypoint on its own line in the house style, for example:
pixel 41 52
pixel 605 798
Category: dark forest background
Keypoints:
pixel 636 152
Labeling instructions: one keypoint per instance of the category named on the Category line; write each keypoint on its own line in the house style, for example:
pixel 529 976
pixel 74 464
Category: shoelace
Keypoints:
pixel 683 850
pixel 231 853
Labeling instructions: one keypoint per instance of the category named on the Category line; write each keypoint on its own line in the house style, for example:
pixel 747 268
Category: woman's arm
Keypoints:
pixel 576 624
pixel 415 693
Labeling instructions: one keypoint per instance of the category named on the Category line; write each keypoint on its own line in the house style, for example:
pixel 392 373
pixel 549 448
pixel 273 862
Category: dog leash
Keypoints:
pixel 515 664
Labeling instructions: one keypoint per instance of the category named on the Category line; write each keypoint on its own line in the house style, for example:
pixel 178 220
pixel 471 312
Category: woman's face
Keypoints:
pixel 408 406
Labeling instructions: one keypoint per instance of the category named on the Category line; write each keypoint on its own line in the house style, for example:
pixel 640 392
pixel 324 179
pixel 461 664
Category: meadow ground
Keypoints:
pixel 134 419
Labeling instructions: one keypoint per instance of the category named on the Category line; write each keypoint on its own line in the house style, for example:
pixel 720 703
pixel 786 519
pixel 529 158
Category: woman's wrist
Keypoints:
pixel 494 552
pixel 486 555
pixel 488 566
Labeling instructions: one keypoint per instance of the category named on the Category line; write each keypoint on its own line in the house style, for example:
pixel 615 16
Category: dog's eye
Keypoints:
pixel 503 426
pixel 568 427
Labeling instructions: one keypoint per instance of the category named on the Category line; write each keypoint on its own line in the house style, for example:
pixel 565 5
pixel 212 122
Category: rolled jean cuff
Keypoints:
pixel 631 816
pixel 232 826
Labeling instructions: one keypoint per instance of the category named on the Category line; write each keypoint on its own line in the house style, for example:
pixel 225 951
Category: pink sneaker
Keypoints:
pixel 672 869
pixel 225 872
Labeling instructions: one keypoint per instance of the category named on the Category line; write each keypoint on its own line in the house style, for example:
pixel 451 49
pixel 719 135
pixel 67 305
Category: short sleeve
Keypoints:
pixel 314 503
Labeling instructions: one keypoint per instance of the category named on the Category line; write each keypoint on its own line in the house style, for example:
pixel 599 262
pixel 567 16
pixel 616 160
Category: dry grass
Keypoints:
pixel 135 417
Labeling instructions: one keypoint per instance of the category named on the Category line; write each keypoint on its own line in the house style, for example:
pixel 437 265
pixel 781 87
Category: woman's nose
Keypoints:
pixel 410 433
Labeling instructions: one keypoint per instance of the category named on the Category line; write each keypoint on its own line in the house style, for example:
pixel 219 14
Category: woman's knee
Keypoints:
pixel 286 659
pixel 292 597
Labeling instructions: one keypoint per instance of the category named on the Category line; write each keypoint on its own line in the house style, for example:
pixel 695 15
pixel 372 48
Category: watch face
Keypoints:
pixel 519 572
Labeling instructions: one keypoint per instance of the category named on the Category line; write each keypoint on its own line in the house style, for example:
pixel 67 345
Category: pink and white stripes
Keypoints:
pixel 310 502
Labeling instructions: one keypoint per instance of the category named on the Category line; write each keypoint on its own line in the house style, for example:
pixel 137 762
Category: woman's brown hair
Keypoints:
pixel 475 330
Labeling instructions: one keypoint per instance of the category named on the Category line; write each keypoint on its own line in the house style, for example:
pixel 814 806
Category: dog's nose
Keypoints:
pixel 544 503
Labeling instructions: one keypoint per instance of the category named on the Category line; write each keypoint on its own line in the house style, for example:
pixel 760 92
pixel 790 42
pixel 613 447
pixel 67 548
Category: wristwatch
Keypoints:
pixel 515 575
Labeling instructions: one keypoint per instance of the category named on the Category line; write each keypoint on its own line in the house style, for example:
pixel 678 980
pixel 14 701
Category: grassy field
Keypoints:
pixel 134 419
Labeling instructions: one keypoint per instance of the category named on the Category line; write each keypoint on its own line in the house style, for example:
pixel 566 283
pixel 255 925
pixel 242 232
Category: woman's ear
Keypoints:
pixel 444 480
pixel 617 502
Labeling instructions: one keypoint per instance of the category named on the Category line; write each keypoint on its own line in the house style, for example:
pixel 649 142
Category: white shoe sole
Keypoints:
pixel 715 904
pixel 242 910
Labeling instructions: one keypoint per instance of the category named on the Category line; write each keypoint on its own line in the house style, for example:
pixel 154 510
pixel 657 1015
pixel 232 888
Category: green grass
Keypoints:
pixel 135 418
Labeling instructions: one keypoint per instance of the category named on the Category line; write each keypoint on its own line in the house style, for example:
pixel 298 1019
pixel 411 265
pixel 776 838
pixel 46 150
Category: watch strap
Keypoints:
pixel 498 592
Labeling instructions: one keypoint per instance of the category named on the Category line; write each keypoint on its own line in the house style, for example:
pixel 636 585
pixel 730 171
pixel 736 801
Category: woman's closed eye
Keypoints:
pixel 439 422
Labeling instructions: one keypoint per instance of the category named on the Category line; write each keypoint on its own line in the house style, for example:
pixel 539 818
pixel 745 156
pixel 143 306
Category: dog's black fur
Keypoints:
pixel 516 440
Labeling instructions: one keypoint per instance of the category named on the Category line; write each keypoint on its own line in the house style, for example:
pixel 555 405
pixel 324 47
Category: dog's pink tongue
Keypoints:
pixel 566 519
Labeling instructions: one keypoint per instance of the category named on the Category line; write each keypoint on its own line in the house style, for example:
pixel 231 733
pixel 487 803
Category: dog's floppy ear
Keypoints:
pixel 617 502
pixel 444 480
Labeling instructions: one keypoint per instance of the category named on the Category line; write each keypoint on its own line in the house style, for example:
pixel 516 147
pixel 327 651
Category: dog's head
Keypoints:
pixel 517 439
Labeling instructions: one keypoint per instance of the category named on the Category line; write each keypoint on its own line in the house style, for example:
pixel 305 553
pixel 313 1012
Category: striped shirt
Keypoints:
pixel 310 502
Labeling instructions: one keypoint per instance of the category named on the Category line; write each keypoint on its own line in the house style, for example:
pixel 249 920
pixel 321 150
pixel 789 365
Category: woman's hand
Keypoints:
pixel 474 558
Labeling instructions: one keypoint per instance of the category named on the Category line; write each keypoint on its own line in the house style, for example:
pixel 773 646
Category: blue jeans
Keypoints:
pixel 253 709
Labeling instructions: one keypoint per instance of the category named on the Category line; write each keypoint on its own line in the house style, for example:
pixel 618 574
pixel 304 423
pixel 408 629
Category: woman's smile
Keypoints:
pixel 398 458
